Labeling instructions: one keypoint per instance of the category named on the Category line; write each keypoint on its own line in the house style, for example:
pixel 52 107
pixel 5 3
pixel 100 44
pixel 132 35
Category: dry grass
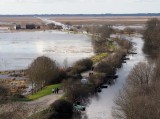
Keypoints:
pixel 80 19
pixel 20 20
pixel 102 20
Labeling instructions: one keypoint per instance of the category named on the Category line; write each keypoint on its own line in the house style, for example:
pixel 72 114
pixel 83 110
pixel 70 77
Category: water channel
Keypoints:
pixel 100 106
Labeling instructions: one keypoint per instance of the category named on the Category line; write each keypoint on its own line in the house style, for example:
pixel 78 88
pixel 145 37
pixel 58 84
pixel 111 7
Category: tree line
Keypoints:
pixel 151 37
pixel 139 98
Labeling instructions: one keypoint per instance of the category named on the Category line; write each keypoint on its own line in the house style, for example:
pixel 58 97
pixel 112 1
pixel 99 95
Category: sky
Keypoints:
pixel 78 6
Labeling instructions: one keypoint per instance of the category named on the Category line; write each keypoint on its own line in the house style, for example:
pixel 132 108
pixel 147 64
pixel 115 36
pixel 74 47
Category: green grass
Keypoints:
pixel 3 72
pixel 99 57
pixel 45 91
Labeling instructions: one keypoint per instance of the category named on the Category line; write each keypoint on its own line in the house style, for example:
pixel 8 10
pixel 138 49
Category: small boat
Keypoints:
pixel 109 83
pixel 132 53
pixel 79 107
pixel 104 86
pixel 112 76
pixel 123 61
pixel 125 58
pixel 99 90
pixel 115 76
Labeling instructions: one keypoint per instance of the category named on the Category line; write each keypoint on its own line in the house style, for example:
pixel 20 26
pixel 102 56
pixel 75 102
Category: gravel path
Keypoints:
pixel 43 103
pixel 26 109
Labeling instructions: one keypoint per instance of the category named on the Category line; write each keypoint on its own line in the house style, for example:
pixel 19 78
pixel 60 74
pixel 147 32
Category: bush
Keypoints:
pixel 104 67
pixel 82 65
pixel 129 30
pixel 61 108
pixel 3 94
pixel 124 43
pixel 96 80
pixel 100 38
pixel 75 90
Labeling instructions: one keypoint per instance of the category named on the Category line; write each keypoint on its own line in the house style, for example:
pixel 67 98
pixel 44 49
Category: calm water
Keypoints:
pixel 19 49
pixel 100 106
pixel 122 27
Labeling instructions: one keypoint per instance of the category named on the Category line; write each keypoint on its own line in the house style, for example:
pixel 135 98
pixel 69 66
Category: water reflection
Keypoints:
pixel 19 49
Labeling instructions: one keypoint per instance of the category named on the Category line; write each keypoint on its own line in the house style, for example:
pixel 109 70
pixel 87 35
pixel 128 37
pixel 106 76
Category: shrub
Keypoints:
pixel 104 67
pixel 82 65
pixel 61 108
pixel 129 30
pixel 96 80
pixel 124 43
pixel 75 90
pixel 3 94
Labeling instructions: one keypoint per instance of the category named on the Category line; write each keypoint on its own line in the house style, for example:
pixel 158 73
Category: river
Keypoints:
pixel 19 49
pixel 100 106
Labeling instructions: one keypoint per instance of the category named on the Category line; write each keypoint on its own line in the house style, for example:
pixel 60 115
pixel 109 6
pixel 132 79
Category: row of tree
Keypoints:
pixel 101 35
pixel 152 36
pixel 139 98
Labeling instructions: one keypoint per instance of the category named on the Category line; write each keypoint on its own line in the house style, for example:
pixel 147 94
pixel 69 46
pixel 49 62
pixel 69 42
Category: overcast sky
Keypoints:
pixel 78 6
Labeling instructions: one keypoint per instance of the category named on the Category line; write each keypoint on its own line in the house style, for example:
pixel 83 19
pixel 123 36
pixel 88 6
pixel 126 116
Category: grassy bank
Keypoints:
pixel 99 57
pixel 46 91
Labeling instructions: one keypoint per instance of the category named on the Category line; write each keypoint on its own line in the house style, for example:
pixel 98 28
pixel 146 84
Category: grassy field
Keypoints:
pixel 46 91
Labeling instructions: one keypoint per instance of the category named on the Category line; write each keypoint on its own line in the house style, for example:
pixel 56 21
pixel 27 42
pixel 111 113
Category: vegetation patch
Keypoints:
pixel 82 65
pixel 99 57
pixel 45 91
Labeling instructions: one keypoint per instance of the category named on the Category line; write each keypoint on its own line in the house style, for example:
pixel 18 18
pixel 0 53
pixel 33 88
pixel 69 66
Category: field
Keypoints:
pixel 19 20
pixel 103 20
pixel 127 20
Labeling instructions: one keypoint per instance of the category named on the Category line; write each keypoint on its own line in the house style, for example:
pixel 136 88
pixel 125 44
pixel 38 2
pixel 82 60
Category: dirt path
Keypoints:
pixel 42 103
pixel 26 109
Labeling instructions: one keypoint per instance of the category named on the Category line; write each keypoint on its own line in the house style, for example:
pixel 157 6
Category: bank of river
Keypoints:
pixel 19 49
pixel 100 106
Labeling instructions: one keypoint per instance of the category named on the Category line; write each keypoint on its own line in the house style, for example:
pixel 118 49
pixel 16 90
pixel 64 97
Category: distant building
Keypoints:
pixel 17 27
pixel 30 26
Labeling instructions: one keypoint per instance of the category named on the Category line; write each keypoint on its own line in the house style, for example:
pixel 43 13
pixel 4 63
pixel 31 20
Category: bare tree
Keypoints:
pixel 75 90
pixel 139 99
pixel 152 36
pixel 42 72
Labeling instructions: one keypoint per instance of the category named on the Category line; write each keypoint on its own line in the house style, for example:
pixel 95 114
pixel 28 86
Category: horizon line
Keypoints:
pixel 82 14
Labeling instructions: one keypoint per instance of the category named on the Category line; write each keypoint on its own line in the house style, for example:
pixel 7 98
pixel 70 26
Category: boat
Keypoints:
pixel 99 90
pixel 79 107
pixel 104 86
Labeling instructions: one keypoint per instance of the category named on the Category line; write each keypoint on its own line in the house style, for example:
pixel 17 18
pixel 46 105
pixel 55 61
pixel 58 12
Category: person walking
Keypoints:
pixel 53 90
pixel 57 90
